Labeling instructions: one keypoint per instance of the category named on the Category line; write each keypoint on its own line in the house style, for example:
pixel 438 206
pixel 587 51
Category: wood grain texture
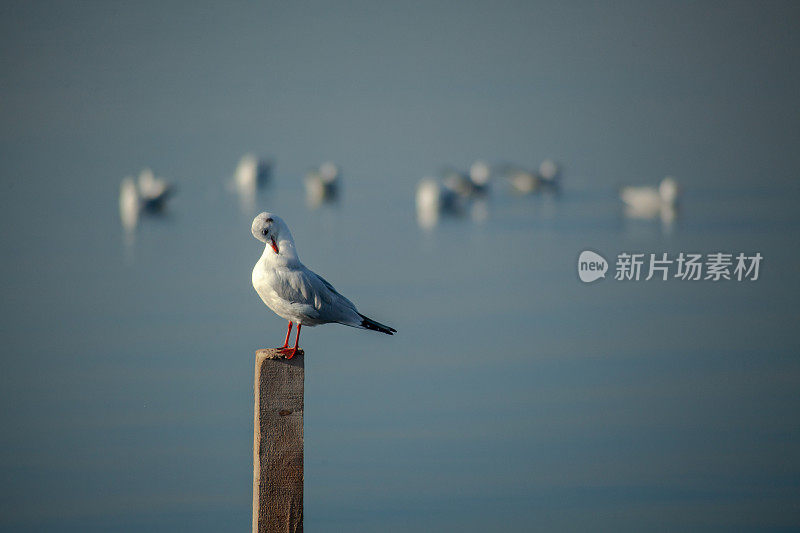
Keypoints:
pixel 278 443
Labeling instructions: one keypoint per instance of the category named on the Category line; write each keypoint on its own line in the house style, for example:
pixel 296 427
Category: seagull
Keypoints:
pixel 470 184
pixel 549 171
pixel 294 292
pixel 523 181
pixel 153 191
pixel 433 199
pixel 648 202
pixel 251 173
pixel 322 184
pixel 429 202
pixel 129 204
pixel 480 173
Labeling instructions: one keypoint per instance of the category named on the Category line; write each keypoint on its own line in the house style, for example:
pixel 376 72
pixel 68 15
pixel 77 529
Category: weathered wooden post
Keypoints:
pixel 278 443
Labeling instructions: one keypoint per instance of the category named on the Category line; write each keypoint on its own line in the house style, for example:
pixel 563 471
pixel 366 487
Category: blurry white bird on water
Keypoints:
pixel 153 191
pixel 647 202
pixel 148 193
pixel 480 174
pixel 470 184
pixel 433 200
pixel 550 173
pixel 523 181
pixel 129 208
pixel 250 175
pixel 322 184
pixel 129 204
pixel 651 202
pixel 294 292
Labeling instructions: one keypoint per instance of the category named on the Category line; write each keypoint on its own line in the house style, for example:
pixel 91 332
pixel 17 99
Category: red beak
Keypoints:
pixel 274 245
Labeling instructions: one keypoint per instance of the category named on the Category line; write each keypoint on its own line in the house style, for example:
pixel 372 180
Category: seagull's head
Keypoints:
pixel 270 229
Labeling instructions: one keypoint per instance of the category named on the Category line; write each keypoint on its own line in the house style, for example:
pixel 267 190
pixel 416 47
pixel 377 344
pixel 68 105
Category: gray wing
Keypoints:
pixel 315 297
pixel 340 306
pixel 333 290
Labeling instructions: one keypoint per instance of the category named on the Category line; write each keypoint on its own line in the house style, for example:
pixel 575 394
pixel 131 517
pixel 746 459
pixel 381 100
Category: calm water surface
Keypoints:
pixel 513 397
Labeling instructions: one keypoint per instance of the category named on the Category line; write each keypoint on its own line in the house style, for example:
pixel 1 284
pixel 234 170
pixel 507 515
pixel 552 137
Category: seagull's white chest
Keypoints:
pixel 264 282
pixel 274 285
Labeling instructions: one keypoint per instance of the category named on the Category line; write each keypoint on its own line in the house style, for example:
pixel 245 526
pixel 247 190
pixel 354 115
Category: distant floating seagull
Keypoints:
pixel 480 173
pixel 251 173
pixel 148 193
pixel 549 171
pixel 322 184
pixel 470 184
pixel 649 202
pixel 293 291
pixel 129 204
pixel 432 200
pixel 153 191
pixel 523 181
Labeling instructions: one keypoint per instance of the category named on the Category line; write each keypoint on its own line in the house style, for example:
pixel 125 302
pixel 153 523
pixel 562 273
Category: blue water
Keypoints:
pixel 513 396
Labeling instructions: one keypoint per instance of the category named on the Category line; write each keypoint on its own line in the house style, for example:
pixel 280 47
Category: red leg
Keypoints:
pixel 286 342
pixel 296 341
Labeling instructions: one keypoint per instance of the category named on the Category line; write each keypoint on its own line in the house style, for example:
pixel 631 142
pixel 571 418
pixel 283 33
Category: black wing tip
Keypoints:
pixel 368 323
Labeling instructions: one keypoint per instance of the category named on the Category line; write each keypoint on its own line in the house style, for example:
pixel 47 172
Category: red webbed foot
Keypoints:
pixel 288 353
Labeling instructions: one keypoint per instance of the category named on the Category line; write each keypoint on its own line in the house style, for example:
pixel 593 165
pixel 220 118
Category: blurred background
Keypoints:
pixel 514 397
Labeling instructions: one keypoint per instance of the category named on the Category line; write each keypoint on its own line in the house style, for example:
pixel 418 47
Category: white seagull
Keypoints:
pixel 153 191
pixel 294 292
pixel 648 202
pixel 251 173
pixel 433 199
pixel 523 181
pixel 549 171
pixel 322 185
pixel 129 205
pixel 471 184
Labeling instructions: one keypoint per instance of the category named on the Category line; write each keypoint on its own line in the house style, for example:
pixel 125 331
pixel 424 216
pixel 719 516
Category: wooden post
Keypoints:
pixel 278 443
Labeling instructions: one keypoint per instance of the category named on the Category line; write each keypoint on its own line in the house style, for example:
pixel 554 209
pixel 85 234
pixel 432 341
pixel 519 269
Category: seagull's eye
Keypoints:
pixel 264 232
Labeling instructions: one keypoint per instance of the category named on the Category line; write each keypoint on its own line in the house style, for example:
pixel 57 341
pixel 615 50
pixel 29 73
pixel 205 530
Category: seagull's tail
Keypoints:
pixel 368 323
